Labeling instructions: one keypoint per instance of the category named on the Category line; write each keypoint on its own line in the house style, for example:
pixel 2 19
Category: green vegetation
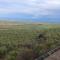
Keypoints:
pixel 25 40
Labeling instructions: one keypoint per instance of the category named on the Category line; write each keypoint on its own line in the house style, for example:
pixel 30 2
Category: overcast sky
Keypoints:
pixel 46 10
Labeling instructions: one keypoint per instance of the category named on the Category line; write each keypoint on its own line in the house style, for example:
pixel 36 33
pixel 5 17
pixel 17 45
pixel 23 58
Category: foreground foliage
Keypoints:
pixel 29 41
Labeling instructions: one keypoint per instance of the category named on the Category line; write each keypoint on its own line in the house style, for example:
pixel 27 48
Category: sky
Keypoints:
pixel 30 10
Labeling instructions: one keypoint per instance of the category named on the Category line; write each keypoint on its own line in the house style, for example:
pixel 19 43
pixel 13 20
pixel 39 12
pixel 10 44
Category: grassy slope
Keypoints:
pixel 13 35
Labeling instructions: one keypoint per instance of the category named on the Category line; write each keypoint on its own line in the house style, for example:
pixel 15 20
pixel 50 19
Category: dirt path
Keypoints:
pixel 54 56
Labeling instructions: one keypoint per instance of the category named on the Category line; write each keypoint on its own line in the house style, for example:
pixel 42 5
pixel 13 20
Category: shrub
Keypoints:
pixel 3 51
pixel 12 55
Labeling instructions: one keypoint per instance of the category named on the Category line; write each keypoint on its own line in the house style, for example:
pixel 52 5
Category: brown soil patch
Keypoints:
pixel 55 56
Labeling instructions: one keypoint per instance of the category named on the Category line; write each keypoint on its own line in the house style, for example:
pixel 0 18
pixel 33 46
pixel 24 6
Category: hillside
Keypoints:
pixel 28 40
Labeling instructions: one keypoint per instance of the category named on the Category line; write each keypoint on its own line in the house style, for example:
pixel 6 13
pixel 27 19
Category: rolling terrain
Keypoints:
pixel 27 40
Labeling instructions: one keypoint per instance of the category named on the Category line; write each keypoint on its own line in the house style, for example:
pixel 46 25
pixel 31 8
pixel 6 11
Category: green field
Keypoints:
pixel 25 40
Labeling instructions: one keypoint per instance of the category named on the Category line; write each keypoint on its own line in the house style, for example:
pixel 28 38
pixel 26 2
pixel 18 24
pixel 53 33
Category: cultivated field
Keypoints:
pixel 27 41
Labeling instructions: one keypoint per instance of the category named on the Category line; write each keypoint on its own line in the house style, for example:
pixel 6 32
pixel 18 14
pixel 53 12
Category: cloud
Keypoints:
pixel 37 8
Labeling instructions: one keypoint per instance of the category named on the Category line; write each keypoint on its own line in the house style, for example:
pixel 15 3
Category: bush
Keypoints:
pixel 12 55
pixel 27 54
pixel 3 51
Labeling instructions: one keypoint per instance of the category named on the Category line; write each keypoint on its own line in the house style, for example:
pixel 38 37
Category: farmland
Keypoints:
pixel 32 40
